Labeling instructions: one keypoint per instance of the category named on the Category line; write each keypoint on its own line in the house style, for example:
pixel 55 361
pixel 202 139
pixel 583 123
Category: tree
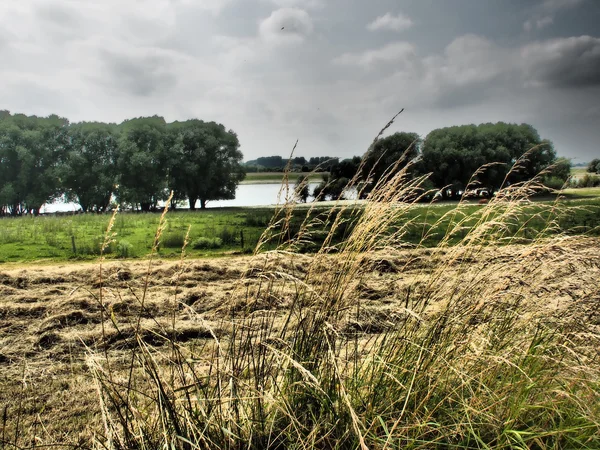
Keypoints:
pixel 330 189
pixel 301 188
pixel 594 166
pixel 272 162
pixel 391 153
pixel 142 162
pixel 205 162
pixel 454 155
pixel 31 151
pixel 89 173
pixel 347 168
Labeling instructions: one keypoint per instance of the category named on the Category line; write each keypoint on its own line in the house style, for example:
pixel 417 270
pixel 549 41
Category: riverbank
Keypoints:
pixel 218 232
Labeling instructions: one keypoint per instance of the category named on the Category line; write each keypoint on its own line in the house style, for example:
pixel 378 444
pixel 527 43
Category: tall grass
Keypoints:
pixel 467 361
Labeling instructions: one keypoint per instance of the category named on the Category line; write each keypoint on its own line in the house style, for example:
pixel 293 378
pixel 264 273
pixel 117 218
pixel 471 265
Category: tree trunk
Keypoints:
pixel 193 201
pixel 202 203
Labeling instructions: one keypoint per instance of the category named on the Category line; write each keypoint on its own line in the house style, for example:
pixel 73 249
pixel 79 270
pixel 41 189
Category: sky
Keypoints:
pixel 328 73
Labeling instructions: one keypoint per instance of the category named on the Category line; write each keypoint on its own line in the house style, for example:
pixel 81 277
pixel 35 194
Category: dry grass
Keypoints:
pixel 50 317
pixel 489 343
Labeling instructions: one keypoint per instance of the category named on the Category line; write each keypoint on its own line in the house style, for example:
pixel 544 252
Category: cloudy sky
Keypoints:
pixel 330 73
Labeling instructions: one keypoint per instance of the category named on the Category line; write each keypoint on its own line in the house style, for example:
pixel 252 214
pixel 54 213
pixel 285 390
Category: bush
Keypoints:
pixel 555 183
pixel 204 243
pixel 588 181
pixel 172 240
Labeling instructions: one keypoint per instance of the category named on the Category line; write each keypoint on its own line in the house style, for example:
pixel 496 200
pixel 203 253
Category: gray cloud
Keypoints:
pixel 286 25
pixel 325 78
pixel 139 75
pixel 556 5
pixel 538 24
pixel 309 4
pixel 388 21
pixel 566 62
pixel 398 53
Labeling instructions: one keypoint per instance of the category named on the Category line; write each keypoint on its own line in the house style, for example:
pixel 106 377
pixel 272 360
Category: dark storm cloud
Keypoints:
pixel 570 62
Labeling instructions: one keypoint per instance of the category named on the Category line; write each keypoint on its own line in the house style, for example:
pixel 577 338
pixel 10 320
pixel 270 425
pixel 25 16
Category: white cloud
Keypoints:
pixel 399 22
pixel 396 52
pixel 286 25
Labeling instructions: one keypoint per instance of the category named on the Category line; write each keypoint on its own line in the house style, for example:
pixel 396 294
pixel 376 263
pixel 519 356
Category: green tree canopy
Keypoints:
pixel 469 155
pixel 142 162
pixel 31 150
pixel 594 166
pixel 205 162
pixel 388 154
pixel 89 173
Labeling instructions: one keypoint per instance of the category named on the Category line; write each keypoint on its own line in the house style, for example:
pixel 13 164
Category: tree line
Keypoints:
pixel 138 162
pixel 297 163
pixel 488 156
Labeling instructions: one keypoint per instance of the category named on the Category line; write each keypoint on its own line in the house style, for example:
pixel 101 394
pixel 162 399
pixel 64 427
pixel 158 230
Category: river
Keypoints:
pixel 246 195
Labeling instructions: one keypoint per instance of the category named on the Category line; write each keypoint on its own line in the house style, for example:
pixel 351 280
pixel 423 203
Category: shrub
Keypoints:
pixel 555 183
pixel 205 243
pixel 588 181
pixel 174 239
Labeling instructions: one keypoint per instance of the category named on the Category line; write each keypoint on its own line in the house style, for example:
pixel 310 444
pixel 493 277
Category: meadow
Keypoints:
pixel 231 231
pixel 382 326
pixel 278 177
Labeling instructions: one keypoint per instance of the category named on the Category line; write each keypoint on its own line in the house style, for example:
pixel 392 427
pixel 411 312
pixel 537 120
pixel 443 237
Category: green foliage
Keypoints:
pixel 301 188
pixel 388 156
pixel 452 155
pixel 31 151
pixel 139 161
pixel 205 243
pixel 204 162
pixel 89 171
pixel 330 189
pixel 594 166
pixel 142 162
pixel 588 181
pixel 172 239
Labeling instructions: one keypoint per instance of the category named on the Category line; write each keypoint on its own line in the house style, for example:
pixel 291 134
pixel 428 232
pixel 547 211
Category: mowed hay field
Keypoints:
pixel 487 339
pixel 53 322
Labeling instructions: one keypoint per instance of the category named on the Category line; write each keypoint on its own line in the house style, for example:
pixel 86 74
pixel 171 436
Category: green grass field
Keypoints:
pixel 578 172
pixel 219 232
pixel 277 177
pixel 51 237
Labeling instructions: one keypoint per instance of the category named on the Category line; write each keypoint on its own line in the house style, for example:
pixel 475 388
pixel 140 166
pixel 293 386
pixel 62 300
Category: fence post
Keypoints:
pixel 242 238
pixel 73 245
